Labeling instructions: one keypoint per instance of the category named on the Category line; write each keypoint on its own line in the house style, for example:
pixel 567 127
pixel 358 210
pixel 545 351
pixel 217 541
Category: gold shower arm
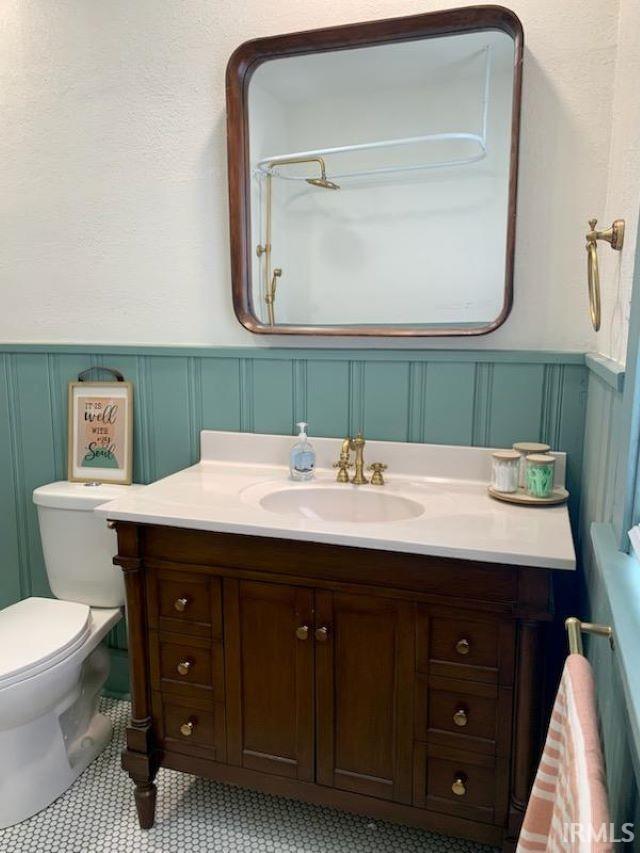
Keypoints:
pixel 614 236
pixel 286 161
pixel 322 181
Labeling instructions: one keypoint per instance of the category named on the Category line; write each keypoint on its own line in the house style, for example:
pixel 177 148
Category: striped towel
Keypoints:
pixel 568 808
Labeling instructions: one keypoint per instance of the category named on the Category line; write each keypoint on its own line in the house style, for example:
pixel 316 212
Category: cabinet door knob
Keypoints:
pixel 463 646
pixel 184 666
pixel 458 786
pixel 181 604
pixel 460 717
pixel 302 632
pixel 186 729
pixel 322 634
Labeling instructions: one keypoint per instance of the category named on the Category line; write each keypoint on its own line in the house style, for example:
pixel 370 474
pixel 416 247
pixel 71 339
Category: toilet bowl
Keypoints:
pixel 52 663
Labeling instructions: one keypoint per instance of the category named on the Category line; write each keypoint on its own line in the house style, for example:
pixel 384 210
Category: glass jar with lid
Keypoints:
pixel 526 448
pixel 505 469
pixel 540 475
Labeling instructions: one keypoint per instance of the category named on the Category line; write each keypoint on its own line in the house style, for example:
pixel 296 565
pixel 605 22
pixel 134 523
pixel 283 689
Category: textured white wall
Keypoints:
pixel 113 217
pixel 623 195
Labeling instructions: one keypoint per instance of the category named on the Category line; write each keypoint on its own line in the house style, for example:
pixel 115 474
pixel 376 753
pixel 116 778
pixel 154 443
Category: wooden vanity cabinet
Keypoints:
pixel 393 685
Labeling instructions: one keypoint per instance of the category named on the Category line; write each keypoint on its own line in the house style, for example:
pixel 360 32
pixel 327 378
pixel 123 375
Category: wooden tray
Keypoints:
pixel 558 496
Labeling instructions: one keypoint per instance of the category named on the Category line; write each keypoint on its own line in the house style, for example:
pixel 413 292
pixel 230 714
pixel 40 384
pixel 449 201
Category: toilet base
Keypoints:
pixel 44 757
pixel 37 784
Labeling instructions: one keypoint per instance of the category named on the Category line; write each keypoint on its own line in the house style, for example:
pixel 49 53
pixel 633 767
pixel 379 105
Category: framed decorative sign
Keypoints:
pixel 100 432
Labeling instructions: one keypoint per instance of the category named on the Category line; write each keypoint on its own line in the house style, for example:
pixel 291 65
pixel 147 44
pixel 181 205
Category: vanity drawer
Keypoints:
pixel 185 663
pixel 186 666
pixel 192 727
pixel 458 711
pixel 462 646
pixel 460 783
pixel 462 641
pixel 185 603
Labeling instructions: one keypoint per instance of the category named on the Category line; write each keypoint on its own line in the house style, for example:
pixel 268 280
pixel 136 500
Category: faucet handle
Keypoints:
pixel 343 465
pixel 377 467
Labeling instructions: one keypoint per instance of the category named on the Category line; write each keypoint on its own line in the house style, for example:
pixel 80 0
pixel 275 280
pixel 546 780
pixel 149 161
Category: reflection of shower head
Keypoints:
pixel 325 183
pixel 322 181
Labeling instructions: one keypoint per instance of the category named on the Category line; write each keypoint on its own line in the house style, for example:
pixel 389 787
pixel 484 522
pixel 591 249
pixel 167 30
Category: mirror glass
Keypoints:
pixel 381 186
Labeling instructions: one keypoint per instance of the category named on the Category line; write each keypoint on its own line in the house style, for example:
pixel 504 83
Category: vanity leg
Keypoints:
pixel 145 796
pixel 141 757
pixel 142 768
pixel 527 735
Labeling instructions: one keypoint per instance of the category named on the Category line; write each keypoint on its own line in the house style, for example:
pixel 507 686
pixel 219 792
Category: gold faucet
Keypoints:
pixel 343 464
pixel 358 444
pixel 344 461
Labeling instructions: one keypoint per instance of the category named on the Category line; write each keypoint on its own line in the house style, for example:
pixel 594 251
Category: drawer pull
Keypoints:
pixel 184 667
pixel 322 634
pixel 302 632
pixel 458 786
pixel 186 729
pixel 181 604
pixel 460 717
pixel 463 646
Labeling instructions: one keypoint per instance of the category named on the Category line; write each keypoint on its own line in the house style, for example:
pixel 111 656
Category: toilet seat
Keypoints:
pixel 38 633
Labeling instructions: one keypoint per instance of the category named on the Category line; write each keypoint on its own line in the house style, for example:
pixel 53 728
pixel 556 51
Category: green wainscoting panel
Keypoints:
pixel 11 585
pixel 617 727
pixel 598 511
pixel 34 442
pixel 218 383
pixel 272 390
pixel 516 392
pixel 441 396
pixel 384 404
pixel 564 406
pixel 169 425
pixel 446 418
pixel 600 447
pixel 327 409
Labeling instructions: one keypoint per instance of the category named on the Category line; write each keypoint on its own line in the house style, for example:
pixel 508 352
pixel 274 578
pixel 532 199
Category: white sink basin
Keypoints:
pixel 341 504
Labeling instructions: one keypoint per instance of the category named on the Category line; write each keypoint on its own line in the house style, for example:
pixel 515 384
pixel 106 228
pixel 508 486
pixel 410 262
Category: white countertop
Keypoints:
pixel 222 493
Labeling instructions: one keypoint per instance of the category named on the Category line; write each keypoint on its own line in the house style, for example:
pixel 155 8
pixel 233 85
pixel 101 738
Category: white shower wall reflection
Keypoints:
pixel 417 136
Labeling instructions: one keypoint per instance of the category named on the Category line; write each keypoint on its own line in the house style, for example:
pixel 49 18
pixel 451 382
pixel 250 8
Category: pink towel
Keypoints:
pixel 568 808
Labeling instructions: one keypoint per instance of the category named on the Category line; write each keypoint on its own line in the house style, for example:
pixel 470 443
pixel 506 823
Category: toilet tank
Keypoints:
pixel 78 546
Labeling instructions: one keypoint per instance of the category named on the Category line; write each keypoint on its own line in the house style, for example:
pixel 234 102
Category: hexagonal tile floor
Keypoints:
pixel 97 815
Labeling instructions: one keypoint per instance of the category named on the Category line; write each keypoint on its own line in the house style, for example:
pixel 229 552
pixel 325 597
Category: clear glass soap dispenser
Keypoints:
pixel 302 459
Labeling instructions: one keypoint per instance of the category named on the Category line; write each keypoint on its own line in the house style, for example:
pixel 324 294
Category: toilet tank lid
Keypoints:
pixel 82 496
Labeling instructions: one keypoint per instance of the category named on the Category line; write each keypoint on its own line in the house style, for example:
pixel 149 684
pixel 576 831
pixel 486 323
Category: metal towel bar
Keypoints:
pixel 576 628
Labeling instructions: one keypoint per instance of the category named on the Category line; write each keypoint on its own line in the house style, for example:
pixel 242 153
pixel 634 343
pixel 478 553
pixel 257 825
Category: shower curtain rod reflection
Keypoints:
pixel 267 165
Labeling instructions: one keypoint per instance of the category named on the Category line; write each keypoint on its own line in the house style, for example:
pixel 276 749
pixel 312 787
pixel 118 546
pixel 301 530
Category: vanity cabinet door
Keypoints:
pixel 364 680
pixel 269 677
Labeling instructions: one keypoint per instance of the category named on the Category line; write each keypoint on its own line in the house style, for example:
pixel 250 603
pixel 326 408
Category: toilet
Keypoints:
pixel 52 663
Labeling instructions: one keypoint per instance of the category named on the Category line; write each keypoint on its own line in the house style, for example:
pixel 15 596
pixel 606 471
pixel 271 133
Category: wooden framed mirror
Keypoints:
pixel 373 176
